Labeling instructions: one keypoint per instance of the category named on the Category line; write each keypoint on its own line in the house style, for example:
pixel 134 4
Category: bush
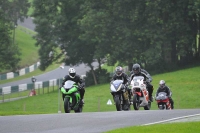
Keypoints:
pixel 102 77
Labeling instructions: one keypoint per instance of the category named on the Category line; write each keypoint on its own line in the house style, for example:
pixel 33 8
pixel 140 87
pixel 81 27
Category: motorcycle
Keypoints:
pixel 140 93
pixel 163 101
pixel 120 95
pixel 72 97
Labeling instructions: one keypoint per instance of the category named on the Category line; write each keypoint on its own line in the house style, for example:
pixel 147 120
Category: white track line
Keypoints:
pixel 171 119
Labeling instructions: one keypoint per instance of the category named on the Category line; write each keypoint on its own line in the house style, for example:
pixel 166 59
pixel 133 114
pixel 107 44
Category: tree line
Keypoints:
pixel 158 34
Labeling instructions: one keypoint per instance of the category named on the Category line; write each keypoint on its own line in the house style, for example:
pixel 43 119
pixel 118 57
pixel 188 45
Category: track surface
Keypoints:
pixel 94 122
pixel 55 74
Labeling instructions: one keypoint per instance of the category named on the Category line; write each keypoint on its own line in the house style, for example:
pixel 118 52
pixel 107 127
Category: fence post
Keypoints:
pixel 38 90
pixel 99 103
pixel 53 85
pixel 2 97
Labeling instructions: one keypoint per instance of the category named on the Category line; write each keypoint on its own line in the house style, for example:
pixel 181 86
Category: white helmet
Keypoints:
pixel 162 83
pixel 72 72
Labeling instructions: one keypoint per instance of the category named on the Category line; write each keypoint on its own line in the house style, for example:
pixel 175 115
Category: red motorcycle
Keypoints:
pixel 163 101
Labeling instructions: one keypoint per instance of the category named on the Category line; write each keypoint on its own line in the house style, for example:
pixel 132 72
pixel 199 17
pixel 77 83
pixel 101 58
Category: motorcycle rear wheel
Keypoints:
pixel 67 107
pixel 118 103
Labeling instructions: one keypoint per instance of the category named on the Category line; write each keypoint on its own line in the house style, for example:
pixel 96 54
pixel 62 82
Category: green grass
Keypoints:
pixel 26 44
pixel 29 54
pixel 184 85
pixel 186 127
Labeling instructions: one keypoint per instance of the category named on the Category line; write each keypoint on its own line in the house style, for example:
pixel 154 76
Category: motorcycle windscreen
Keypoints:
pixel 138 78
pixel 162 96
pixel 116 85
pixel 69 84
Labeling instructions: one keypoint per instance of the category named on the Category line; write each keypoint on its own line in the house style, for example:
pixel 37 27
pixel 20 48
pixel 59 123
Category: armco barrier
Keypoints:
pixel 36 85
pixel 20 72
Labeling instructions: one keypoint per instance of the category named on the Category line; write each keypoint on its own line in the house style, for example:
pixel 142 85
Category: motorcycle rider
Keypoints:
pixel 137 71
pixel 119 74
pixel 76 78
pixel 164 88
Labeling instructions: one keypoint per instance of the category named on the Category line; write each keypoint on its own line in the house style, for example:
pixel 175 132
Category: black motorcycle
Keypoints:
pixel 120 95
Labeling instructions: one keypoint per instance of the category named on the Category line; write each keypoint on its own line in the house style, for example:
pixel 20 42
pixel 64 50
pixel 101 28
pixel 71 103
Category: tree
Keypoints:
pixel 10 12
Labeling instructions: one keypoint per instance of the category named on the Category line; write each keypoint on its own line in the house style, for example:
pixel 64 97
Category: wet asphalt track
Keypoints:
pixel 93 122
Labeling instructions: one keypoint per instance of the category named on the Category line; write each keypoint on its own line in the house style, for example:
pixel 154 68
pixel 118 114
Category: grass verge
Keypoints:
pixel 184 85
pixel 186 127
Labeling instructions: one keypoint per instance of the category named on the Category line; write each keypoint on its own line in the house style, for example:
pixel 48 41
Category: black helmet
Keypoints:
pixel 136 68
pixel 118 71
pixel 72 72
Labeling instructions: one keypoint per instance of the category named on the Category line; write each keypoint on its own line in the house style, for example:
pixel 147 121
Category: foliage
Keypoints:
pixel 102 77
pixel 146 32
pixel 10 12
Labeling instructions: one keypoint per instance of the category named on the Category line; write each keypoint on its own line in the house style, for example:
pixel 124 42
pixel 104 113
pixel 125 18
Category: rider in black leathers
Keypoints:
pixel 76 78
pixel 119 74
pixel 163 88
pixel 137 71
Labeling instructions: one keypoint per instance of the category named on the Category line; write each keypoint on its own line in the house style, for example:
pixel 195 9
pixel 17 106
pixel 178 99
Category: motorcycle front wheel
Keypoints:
pixel 67 107
pixel 118 103
pixel 136 102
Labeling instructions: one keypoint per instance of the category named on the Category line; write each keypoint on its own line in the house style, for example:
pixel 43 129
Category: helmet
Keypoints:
pixel 72 72
pixel 136 68
pixel 162 83
pixel 118 71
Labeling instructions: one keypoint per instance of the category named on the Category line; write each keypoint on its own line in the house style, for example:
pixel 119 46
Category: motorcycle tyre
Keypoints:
pixel 136 103
pixel 162 107
pixel 79 110
pixel 118 103
pixel 67 107
pixel 148 107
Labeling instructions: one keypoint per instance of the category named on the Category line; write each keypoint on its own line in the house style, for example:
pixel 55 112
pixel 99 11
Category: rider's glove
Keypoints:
pixel 81 86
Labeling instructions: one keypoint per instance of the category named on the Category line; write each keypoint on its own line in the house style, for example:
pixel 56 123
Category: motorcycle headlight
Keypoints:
pixel 136 83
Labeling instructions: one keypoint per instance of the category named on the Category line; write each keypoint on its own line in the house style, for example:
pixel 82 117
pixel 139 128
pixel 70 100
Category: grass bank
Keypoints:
pixel 186 127
pixel 183 83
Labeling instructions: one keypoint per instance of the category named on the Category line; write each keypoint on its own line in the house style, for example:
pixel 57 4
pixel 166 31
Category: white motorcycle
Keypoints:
pixel 140 93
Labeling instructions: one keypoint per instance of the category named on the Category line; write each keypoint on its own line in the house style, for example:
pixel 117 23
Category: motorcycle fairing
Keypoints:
pixel 116 85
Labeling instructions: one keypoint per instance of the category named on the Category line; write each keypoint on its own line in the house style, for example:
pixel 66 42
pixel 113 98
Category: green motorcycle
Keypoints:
pixel 71 97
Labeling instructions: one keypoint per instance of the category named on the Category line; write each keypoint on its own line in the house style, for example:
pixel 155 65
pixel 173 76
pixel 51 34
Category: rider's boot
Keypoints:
pixel 125 106
pixel 151 98
pixel 129 94
pixel 82 101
